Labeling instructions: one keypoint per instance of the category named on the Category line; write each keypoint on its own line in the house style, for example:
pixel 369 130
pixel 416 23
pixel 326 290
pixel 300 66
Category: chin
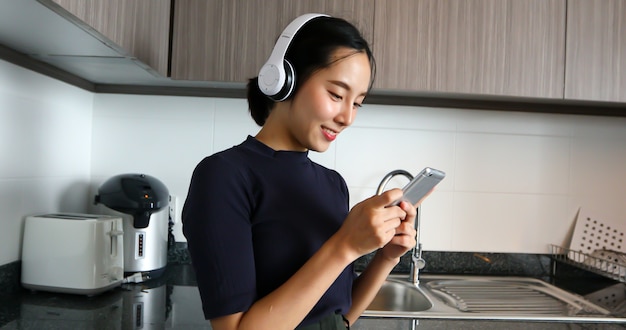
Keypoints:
pixel 320 148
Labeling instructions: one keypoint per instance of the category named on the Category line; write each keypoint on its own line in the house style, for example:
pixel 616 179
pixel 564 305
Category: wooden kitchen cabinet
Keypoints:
pixel 595 65
pixel 140 27
pixel 229 40
pixel 486 47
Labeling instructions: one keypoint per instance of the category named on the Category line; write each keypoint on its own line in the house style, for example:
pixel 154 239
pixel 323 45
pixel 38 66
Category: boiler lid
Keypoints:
pixel 132 193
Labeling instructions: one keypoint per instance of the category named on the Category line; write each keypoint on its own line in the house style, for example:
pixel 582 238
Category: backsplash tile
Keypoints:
pixel 516 123
pixel 515 180
pixel 511 221
pixel 365 155
pixel 511 163
pixel 407 117
pixel 45 148
pixel 507 173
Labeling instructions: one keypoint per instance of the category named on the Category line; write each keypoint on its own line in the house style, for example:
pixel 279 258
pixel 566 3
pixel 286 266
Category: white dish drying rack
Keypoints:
pixel 598 245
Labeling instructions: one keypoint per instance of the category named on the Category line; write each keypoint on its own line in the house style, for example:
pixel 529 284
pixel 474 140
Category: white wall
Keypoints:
pixel 515 180
pixel 163 136
pixel 45 151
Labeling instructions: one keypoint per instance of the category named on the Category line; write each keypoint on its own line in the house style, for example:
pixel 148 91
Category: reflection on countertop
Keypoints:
pixel 172 302
pixel 168 302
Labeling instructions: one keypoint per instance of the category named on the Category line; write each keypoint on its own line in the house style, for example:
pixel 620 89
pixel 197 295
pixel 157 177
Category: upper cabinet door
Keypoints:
pixel 596 50
pixel 487 47
pixel 140 27
pixel 229 40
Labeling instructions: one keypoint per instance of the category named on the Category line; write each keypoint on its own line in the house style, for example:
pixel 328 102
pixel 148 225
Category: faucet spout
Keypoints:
pixel 383 183
pixel 417 262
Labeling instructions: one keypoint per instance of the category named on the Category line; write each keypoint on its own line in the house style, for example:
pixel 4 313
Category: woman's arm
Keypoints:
pixel 367 285
pixel 287 306
pixel 369 225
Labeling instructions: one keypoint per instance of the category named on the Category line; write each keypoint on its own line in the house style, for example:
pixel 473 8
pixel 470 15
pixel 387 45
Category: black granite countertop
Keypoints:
pixel 172 301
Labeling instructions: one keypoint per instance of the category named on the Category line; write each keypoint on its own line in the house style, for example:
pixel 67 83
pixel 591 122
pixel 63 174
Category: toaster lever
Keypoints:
pixel 114 233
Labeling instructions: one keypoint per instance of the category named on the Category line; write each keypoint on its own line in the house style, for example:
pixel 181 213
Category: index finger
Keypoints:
pixel 388 197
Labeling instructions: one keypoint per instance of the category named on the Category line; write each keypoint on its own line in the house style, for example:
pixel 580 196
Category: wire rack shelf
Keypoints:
pixel 602 262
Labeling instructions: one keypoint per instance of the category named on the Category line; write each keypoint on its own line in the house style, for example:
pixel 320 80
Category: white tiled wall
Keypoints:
pixel 45 151
pixel 514 180
pixel 164 137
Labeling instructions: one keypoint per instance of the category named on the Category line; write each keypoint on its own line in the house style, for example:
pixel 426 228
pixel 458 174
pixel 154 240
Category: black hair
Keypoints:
pixel 310 50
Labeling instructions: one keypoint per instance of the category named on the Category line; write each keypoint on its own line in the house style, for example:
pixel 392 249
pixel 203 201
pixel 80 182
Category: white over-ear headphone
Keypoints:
pixel 277 76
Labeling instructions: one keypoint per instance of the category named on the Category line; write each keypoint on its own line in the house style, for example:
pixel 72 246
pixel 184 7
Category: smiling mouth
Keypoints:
pixel 329 134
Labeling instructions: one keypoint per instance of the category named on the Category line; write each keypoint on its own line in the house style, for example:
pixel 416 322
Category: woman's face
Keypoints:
pixel 327 102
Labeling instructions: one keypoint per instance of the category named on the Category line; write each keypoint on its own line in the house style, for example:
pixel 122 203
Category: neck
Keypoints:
pixel 275 133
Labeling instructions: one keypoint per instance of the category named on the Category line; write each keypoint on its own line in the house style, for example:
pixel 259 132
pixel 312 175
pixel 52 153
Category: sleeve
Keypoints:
pixel 216 224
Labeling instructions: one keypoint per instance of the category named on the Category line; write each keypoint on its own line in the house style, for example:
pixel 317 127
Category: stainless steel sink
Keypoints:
pixel 482 297
pixel 400 296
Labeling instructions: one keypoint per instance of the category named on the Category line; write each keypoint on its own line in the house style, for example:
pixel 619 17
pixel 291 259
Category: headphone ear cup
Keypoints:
pixel 275 81
pixel 289 85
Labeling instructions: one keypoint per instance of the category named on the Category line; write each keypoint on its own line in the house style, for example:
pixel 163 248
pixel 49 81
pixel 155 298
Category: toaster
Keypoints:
pixel 72 253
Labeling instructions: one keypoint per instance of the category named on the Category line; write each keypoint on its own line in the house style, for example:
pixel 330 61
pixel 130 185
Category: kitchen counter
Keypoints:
pixel 172 302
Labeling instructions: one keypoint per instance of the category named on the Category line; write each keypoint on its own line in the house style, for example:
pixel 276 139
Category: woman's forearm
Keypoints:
pixel 367 285
pixel 288 305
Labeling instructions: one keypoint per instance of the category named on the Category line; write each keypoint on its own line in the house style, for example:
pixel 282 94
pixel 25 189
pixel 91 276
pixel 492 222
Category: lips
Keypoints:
pixel 329 134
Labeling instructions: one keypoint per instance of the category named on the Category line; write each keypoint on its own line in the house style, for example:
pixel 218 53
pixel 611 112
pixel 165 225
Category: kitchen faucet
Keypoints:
pixel 417 262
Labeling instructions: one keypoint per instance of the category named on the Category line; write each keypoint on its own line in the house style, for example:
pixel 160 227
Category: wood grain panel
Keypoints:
pixel 493 47
pixel 226 40
pixel 141 27
pixel 596 50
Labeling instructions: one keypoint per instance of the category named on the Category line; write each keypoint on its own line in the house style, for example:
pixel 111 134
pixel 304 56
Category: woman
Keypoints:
pixel 269 232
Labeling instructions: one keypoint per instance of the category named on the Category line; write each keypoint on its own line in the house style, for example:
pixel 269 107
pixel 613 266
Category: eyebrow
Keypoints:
pixel 344 86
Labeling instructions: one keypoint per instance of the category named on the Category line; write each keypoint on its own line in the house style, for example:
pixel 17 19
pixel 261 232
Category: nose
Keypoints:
pixel 346 115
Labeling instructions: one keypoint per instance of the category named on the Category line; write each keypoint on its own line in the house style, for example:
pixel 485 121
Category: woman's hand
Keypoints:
pixel 369 282
pixel 405 234
pixel 371 224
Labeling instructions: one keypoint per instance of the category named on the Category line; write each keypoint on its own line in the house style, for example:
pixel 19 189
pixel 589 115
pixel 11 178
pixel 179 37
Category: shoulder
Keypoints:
pixel 231 160
pixel 333 177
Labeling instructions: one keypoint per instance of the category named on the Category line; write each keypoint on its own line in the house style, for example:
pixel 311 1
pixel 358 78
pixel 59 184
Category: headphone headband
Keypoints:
pixel 276 77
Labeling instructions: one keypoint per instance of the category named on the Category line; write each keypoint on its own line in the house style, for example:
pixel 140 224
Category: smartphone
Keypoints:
pixel 421 185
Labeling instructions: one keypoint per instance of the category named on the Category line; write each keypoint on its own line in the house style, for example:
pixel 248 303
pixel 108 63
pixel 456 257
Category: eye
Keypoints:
pixel 358 103
pixel 334 96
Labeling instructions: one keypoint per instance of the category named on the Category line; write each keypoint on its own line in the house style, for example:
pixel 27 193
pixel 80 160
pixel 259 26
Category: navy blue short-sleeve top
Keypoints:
pixel 253 216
